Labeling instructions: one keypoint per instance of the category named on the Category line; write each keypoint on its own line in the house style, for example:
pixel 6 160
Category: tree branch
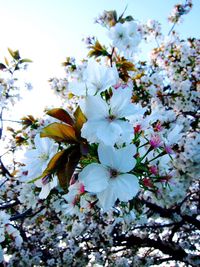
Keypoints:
pixel 26 214
pixel 4 169
pixel 9 205
pixel 167 248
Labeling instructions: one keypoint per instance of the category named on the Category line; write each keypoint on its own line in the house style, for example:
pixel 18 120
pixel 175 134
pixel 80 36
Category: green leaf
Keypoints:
pixel 97 50
pixel 60 132
pixel 129 18
pixel 14 54
pixel 25 60
pixel 35 179
pixel 61 115
pixel 6 61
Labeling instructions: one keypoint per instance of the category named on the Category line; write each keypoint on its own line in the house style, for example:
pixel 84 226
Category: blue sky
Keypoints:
pixel 49 30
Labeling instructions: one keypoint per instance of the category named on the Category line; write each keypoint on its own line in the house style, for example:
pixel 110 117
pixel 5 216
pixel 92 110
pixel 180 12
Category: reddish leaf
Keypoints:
pixel 59 132
pixel 54 162
pixel 52 166
pixel 80 119
pixel 68 167
pixel 61 115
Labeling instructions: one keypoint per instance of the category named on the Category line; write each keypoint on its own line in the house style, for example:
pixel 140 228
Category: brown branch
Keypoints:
pixel 167 248
pixel 4 169
pixel 21 215
pixel 191 220
pixel 158 226
pixel 4 182
pixel 9 205
pixel 164 212
pixel 110 56
pixel 168 213
pixel 26 214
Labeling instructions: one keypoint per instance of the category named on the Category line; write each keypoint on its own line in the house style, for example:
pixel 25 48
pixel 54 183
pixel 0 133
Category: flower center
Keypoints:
pixel 111 118
pixel 113 173
pixel 121 36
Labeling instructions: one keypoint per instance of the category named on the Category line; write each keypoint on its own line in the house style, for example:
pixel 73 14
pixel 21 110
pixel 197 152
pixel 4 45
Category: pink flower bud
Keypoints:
pixel 147 182
pixel 158 127
pixel 153 169
pixel 169 150
pixel 137 128
pixel 82 188
pixel 155 141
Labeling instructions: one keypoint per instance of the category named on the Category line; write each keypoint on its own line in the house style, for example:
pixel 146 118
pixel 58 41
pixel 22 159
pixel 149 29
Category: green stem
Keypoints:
pixel 141 159
pixel 160 155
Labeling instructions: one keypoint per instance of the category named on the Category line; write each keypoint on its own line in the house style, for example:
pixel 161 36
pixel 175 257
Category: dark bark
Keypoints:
pixel 171 249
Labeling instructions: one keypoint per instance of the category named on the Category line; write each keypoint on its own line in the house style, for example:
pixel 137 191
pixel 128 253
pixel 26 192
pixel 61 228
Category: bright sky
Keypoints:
pixel 47 31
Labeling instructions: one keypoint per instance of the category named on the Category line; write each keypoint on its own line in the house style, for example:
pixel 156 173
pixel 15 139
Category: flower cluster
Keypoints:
pixel 179 10
pixel 111 177
pixel 9 89
pixel 6 228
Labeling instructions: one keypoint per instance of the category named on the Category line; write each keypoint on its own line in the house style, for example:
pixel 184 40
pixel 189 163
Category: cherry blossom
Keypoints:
pixel 105 120
pixel 36 161
pixel 111 179
pixel 96 79
pixel 116 182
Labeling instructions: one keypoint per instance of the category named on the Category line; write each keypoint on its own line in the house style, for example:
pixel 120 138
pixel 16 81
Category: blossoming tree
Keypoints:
pixel 110 178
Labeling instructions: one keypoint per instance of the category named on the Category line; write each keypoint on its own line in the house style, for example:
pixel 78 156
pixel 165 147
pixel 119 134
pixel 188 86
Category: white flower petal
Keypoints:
pixel 127 133
pixel 36 160
pixel 118 34
pixel 120 101
pixel 120 159
pixel 100 77
pixel 77 88
pixel 107 198
pixel 108 132
pixel 37 141
pixel 45 191
pixel 174 135
pixel 30 154
pixel 88 131
pixel 125 160
pixel 54 182
pixel 94 177
pixel 95 108
pixel 126 186
pixel 106 155
pixel 46 188
pixel 38 183
pixel 43 145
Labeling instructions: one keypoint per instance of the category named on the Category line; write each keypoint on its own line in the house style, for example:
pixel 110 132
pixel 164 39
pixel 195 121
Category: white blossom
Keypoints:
pixel 111 179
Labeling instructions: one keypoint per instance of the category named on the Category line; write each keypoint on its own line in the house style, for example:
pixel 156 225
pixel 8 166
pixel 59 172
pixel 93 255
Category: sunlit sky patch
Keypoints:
pixel 47 31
